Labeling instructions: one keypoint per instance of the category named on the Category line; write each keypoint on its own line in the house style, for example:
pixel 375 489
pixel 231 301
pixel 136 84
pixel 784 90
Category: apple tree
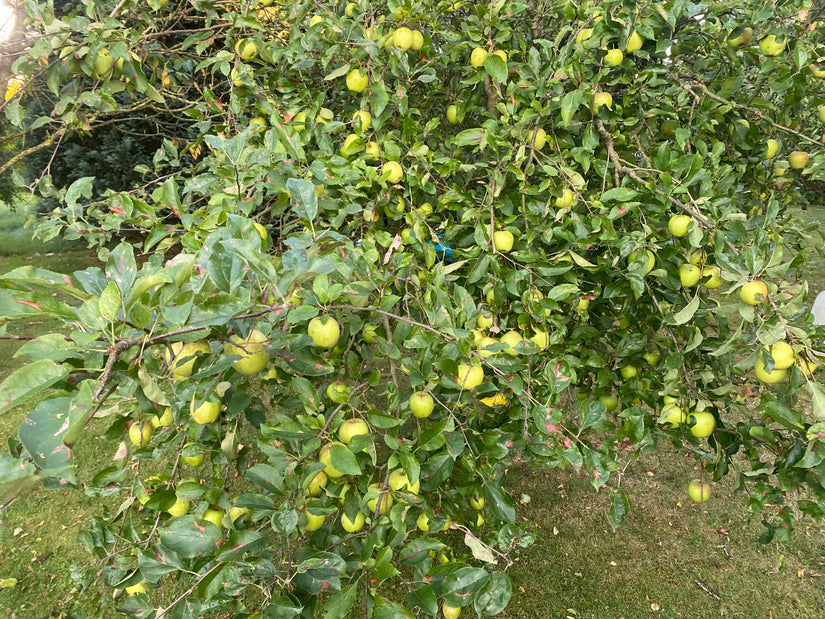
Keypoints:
pixel 384 251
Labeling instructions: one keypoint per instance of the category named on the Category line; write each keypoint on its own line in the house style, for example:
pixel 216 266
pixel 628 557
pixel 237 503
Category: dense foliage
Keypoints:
pixel 403 245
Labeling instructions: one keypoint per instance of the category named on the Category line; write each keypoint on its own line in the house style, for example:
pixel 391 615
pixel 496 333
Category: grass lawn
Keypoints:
pixel 672 558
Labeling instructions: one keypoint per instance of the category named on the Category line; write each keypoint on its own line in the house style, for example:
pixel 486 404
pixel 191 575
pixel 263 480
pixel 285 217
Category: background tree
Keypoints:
pixel 399 246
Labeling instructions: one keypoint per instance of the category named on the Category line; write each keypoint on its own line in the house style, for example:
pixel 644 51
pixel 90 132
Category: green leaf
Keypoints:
pixel 620 194
pixel 495 595
pixel 153 565
pixel 385 609
pixel 190 538
pixel 687 312
pixel 281 608
pixel 29 381
pixel 52 346
pixel 344 460
pixel 304 198
pixel 320 572
pixel 109 302
pixel 496 68
pixel 41 433
pixel 817 400
pixel 619 508
pixel 339 604
pixel 12 468
pixel 469 137
pixel 240 543
pixel 570 104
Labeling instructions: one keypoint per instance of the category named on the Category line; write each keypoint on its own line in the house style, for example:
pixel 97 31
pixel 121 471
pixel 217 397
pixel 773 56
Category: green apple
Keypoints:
pixel 583 35
pixel 821 111
pixel 417 41
pixel 740 37
pixel 629 371
pixel 769 378
pixel 613 57
pixel 783 355
pixel 602 99
pixel 398 480
pixel 678 224
pixel 652 358
pixel 402 38
pixel 798 159
pixel 477 502
pixel 503 240
pixel 214 515
pixel 205 412
pixel 703 424
pixel 610 401
pixel 754 292
pixel 634 43
pixel 771 46
pixel 353 526
pixel 698 491
pixel 452 114
pixel 689 275
pixel 771 148
pixel 349 10
pixel 140 433
pixel 103 64
pixel 338 392
pixel 238 512
pixel 484 345
pixel 181 357
pixel 193 460
pixel 501 54
pixel 469 376
pixel 422 404
pixel 357 81
pixel 712 276
pixel 324 331
pixel 478 56
pixel 253 355
pixel 352 428
pixel 394 172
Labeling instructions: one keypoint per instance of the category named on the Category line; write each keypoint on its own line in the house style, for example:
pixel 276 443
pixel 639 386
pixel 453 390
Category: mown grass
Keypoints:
pixel 655 565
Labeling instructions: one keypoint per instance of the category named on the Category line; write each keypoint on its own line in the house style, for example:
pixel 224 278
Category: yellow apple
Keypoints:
pixel 206 412
pixel 353 526
pixel 135 589
pixel 450 612
pixel 754 292
pixel 613 57
pixel 501 54
pixel 246 49
pixel 698 491
pixel 349 10
pixel 402 39
pixel 478 56
pixel 512 339
pixel 566 199
pixel 675 416
pixel 314 522
pixel 503 240
pixel 423 522
pixel 703 424
pixel 651 260
pixel 324 331
pixel 422 404
pixel 214 515
pixel 417 41
pixel 798 159
pixel 771 148
pixel 317 484
pixel 394 172
pixel 452 114
pixel 740 37
pixel 363 119
pixel 357 81
pixel 179 508
pixel 712 276
pixel 689 275
pixel 602 99
pixel 770 46
pixel 783 355
pixel 469 376
pixel 352 428
pixel 181 357
pixel 634 42
pixel 678 225
pixel 769 378
pixel 164 420
pixel 140 433
pixel 325 459
pixel 541 339
pixel 253 355
pixel 385 498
